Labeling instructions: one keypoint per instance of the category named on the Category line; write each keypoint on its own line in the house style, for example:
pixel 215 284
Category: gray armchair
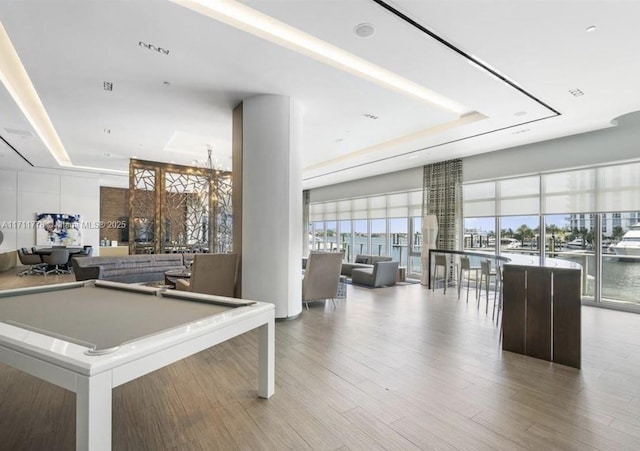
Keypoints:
pixel 212 274
pixel 382 274
pixel 321 277
pixel 32 261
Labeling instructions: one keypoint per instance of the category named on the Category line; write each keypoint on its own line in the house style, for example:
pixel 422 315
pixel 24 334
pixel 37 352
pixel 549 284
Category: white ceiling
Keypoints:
pixel 69 48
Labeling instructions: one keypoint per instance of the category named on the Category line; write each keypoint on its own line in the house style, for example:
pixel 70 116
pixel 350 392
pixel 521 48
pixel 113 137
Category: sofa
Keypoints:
pixel 8 260
pixel 129 268
pixel 383 273
pixel 362 261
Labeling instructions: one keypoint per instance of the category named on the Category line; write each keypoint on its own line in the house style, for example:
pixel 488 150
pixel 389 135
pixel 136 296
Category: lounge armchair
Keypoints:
pixel 382 274
pixel 321 277
pixel 212 274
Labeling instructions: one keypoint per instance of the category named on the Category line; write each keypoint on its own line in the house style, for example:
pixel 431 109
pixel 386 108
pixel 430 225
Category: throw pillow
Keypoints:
pixel 361 260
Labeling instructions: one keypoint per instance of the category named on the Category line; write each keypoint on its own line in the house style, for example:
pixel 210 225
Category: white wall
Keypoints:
pixel 114 181
pixel 25 193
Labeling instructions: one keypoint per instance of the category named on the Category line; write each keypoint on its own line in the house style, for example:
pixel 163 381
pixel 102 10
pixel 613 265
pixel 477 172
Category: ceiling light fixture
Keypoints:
pixel 104 170
pixel 591 28
pixel 252 21
pixel 17 81
pixel 364 30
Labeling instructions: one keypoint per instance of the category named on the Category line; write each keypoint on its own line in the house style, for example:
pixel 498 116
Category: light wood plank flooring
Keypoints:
pixel 392 368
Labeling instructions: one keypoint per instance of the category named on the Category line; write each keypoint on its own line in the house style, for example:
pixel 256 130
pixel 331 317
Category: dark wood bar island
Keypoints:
pixel 541 312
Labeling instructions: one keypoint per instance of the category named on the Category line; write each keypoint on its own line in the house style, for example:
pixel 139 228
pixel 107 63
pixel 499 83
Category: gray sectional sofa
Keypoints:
pixel 362 261
pixel 129 268
pixel 383 273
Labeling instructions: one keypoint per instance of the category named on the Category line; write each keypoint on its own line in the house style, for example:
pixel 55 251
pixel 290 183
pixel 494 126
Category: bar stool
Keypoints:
pixel 497 302
pixel 440 260
pixel 465 265
pixel 486 273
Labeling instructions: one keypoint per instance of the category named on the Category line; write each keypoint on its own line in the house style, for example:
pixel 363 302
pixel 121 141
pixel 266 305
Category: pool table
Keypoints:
pixel 89 337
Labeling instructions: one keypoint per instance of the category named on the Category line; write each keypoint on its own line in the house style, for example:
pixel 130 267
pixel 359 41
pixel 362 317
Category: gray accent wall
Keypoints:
pixel 611 145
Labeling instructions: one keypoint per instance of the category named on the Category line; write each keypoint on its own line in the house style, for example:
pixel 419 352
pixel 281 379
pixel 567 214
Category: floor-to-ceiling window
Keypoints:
pixel 387 224
pixel 346 239
pixel 399 234
pixel 414 261
pixel 379 237
pixel 583 215
pixel 361 236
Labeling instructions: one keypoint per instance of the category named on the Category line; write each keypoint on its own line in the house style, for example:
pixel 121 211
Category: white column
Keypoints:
pixel 272 202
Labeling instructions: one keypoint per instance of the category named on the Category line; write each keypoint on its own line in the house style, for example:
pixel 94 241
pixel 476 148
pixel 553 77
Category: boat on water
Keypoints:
pixel 510 243
pixel 578 243
pixel 629 245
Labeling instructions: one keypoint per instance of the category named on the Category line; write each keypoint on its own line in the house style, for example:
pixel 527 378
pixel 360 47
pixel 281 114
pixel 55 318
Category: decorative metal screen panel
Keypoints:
pixel 177 208
pixel 185 212
pixel 442 197
pixel 143 208
pixel 223 213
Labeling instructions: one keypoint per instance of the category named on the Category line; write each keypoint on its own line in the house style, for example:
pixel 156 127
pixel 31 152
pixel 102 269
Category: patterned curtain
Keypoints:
pixel 442 196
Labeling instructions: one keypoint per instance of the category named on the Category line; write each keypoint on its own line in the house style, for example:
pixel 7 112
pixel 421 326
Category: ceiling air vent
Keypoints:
pixel 576 92
pixel 107 85
pixel 370 116
pixel 153 47
pixel 15 131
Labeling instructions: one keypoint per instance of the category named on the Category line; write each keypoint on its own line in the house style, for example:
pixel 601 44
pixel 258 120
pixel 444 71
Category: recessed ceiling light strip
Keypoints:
pixel 463 120
pixel 252 21
pixel 17 81
pixel 434 146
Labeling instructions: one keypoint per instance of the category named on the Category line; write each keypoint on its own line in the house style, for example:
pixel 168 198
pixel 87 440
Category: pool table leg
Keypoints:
pixel 266 359
pixel 93 412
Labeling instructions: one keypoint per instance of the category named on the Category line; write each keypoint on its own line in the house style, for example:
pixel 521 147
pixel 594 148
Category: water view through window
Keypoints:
pixel 572 237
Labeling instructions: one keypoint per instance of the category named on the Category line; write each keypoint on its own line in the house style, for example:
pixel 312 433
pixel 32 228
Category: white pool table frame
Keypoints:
pixel 92 378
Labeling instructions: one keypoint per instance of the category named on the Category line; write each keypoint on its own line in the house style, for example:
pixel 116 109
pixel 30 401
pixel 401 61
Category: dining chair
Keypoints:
pixel 58 259
pixel 32 261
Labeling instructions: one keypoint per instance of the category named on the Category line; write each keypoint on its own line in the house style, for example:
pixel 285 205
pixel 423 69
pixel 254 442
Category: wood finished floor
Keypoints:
pixel 393 368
